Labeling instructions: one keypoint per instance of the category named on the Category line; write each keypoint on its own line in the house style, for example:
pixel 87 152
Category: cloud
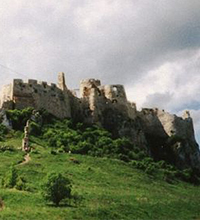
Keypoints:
pixel 174 86
pixel 105 39
pixel 153 47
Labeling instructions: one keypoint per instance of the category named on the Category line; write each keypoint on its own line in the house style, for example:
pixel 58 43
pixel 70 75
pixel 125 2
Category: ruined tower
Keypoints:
pixel 87 85
pixel 25 140
pixel 61 81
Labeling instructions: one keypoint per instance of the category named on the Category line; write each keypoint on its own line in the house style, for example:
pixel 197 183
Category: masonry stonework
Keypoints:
pixel 157 131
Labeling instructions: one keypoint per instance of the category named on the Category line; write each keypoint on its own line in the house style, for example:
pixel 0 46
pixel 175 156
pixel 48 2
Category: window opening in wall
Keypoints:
pixel 115 90
pixel 99 93
pixel 114 101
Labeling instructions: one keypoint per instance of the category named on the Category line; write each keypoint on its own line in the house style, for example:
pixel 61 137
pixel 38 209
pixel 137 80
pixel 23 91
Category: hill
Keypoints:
pixel 109 188
pixel 109 184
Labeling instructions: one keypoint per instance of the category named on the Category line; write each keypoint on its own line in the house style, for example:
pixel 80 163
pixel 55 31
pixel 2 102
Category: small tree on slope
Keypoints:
pixel 56 188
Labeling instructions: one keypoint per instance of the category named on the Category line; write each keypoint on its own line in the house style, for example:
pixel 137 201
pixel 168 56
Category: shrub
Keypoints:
pixel 20 184
pixel 7 148
pixel 81 148
pixel 56 188
pixel 10 180
pixel 35 128
pixel 60 150
pixel 19 117
pixel 169 176
pixel 53 152
pixel 3 129
pixel 46 116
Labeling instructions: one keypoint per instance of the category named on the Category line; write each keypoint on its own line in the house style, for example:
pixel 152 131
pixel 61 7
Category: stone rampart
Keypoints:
pixel 38 95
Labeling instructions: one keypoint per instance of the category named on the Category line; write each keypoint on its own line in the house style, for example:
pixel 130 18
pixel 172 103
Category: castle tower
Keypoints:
pixel 186 114
pixel 87 85
pixel 115 93
pixel 61 81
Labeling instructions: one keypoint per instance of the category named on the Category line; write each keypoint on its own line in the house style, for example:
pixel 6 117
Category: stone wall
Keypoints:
pixel 165 124
pixel 171 137
pixel 58 100
pixel 6 94
pixel 38 95
pixel 101 98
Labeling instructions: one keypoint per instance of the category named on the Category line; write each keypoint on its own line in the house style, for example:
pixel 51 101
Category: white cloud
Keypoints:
pixel 173 85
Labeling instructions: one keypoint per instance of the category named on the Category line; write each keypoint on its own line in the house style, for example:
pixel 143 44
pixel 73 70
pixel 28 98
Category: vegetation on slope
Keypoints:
pixel 134 187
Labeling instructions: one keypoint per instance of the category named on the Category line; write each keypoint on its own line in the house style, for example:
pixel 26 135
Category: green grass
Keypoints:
pixel 110 189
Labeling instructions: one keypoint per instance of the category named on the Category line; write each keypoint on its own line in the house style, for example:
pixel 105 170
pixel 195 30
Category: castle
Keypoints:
pixel 151 129
pixel 62 102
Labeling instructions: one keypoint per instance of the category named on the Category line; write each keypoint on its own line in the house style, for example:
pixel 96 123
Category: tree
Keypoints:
pixel 56 188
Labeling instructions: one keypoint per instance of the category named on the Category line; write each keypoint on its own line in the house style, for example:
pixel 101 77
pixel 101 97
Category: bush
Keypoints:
pixel 81 148
pixel 10 180
pixel 35 128
pixel 19 117
pixel 169 176
pixel 7 148
pixel 20 184
pixel 3 129
pixel 53 152
pixel 56 188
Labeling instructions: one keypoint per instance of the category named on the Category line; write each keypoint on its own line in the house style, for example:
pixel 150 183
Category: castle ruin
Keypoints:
pixel 107 106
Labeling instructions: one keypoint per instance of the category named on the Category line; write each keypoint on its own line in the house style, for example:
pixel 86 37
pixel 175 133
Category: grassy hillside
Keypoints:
pixel 111 177
pixel 107 188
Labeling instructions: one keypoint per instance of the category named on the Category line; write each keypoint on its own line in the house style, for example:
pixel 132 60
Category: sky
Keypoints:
pixel 151 47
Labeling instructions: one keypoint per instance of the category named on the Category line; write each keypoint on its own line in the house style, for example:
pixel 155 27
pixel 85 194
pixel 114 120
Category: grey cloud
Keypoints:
pixel 123 41
pixel 118 41
pixel 160 100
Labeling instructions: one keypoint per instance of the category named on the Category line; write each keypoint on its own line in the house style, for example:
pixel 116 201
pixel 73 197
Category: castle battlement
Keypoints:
pixel 32 81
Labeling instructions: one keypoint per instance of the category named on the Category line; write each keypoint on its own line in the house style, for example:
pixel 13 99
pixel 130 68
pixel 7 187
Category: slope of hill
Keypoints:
pixel 107 188
pixel 111 177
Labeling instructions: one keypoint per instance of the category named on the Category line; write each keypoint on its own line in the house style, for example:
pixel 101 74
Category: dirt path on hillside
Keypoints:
pixel 27 158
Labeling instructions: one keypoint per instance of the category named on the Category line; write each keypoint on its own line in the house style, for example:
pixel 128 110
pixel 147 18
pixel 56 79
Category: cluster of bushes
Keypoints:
pixel 4 148
pixel 13 180
pixel 93 140
pixel 19 118
pixel 165 171
pixel 55 187
pixel 3 131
